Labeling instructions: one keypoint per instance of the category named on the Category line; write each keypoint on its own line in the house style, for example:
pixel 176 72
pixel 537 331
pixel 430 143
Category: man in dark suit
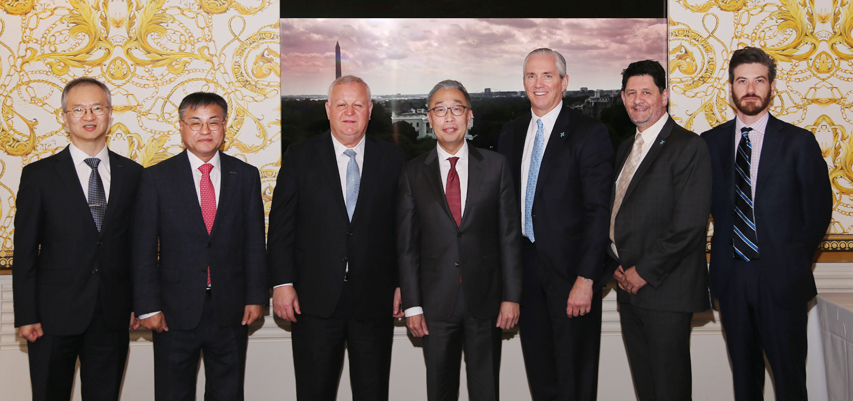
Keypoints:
pixel 332 250
pixel 771 204
pixel 203 209
pixel 662 199
pixel 71 268
pixel 562 165
pixel 459 246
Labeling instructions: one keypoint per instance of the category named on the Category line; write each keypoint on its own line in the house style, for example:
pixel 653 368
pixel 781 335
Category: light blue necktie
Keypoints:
pixel 353 182
pixel 532 177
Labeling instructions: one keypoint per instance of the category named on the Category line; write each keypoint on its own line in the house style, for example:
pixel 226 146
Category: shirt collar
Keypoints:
pixel 341 148
pixel 651 133
pixel 550 118
pixel 758 127
pixel 195 162
pixel 78 156
pixel 461 154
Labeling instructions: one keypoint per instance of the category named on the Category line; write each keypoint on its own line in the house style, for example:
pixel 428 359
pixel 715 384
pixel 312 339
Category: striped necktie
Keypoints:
pixel 745 239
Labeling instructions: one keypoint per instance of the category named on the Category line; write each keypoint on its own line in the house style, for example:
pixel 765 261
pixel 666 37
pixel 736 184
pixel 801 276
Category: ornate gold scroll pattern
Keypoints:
pixel 17 7
pixel 724 5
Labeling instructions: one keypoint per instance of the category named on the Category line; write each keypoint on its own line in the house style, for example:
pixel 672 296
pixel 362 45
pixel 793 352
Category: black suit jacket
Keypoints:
pixel 61 261
pixel 571 213
pixel 793 208
pixel 661 224
pixel 485 250
pixel 168 214
pixel 311 239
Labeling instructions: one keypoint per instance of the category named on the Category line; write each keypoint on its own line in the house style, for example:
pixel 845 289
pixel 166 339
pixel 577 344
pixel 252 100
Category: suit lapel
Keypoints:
pixel 369 171
pixel 647 161
pixel 184 186
pixel 68 176
pixel 770 150
pixel 727 152
pixel 559 133
pixel 227 187
pixel 518 148
pixel 433 176
pixel 117 179
pixel 475 178
pixel 329 171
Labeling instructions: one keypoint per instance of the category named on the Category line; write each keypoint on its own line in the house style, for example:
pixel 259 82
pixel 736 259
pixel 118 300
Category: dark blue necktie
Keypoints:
pixel 745 240
pixel 97 196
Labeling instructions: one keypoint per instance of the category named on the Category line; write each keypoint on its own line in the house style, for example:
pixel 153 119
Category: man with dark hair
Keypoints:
pixel 562 166
pixel 660 208
pixel 772 204
pixel 332 250
pixel 71 267
pixel 199 263
pixel 459 250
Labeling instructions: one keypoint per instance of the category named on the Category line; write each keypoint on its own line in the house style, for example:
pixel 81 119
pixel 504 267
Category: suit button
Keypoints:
pixel 349 233
pixel 95 270
pixel 456 264
pixel 98 243
pixel 209 245
pixel 459 234
pixel 344 259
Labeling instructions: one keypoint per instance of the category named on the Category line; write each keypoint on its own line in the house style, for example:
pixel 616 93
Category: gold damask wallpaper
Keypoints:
pixel 151 54
pixel 812 42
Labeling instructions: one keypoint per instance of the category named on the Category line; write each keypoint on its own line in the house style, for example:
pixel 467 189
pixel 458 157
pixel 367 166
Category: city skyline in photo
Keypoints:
pixel 409 56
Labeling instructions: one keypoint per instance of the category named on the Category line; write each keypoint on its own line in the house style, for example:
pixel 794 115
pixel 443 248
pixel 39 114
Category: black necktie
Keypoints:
pixel 745 241
pixel 97 196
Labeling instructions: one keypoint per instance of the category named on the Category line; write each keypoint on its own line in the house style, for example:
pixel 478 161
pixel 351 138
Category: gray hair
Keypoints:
pixel 348 80
pixel 83 81
pixel 560 61
pixel 449 84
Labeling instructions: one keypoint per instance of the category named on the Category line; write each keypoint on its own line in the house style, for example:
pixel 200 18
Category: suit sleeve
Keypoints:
pixel 144 251
pixel 815 194
pixel 282 229
pixel 255 255
pixel 408 244
pixel 510 226
pixel 689 217
pixel 28 223
pixel 596 170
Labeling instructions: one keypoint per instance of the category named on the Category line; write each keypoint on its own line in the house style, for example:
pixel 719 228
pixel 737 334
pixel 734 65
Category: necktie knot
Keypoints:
pixel 93 162
pixel 205 169
pixel 453 161
pixel 350 153
pixel 745 131
pixel 539 125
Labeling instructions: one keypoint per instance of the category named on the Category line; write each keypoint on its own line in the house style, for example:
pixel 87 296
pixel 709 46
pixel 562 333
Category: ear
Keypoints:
pixel 665 97
pixel 369 109
pixel 328 115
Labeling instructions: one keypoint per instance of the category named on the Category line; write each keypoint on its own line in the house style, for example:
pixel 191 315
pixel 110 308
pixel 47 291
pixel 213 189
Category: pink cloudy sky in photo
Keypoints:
pixel 409 56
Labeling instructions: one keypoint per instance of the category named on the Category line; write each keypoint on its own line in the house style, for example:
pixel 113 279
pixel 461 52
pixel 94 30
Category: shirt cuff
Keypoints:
pixel 147 315
pixel 282 285
pixel 414 311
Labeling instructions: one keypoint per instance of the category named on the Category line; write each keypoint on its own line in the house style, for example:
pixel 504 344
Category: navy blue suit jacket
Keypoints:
pixel 793 207
pixel 168 214
pixel 571 208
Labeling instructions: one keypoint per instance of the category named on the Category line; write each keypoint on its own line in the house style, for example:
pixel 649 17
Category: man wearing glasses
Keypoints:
pixel 459 248
pixel 203 210
pixel 71 267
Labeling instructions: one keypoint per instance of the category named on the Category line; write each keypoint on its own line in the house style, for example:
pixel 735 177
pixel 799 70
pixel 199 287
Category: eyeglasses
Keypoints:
pixel 441 111
pixel 79 112
pixel 196 125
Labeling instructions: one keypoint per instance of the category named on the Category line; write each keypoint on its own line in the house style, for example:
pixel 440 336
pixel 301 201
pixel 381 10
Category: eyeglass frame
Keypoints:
pixel 464 109
pixel 87 110
pixel 203 123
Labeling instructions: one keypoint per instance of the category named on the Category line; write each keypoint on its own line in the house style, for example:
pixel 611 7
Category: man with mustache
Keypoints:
pixel 661 202
pixel 771 205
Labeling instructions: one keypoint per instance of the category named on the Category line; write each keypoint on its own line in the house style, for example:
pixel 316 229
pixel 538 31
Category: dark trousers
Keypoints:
pixel 176 355
pixel 102 354
pixel 753 323
pixel 318 354
pixel 443 347
pixel 560 353
pixel 658 346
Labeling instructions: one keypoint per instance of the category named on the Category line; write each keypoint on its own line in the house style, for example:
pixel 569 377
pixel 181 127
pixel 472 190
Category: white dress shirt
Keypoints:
pixel 343 162
pixel 548 121
pixel 462 172
pixel 78 157
pixel 215 178
pixel 650 136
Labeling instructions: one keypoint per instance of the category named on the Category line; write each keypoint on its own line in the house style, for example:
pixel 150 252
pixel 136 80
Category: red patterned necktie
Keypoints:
pixel 208 202
pixel 453 193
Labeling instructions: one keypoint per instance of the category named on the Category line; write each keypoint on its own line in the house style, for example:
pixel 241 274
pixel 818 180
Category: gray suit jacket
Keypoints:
pixel 485 250
pixel 661 225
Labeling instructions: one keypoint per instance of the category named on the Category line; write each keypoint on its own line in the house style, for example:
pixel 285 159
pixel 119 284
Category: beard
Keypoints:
pixel 751 107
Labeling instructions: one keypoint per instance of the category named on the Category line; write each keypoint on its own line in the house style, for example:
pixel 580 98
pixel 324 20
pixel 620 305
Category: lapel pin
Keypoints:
pixel 662 141
pixel 562 134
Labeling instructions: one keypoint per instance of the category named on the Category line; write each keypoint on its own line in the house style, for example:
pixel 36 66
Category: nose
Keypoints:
pixel 88 114
pixel 349 110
